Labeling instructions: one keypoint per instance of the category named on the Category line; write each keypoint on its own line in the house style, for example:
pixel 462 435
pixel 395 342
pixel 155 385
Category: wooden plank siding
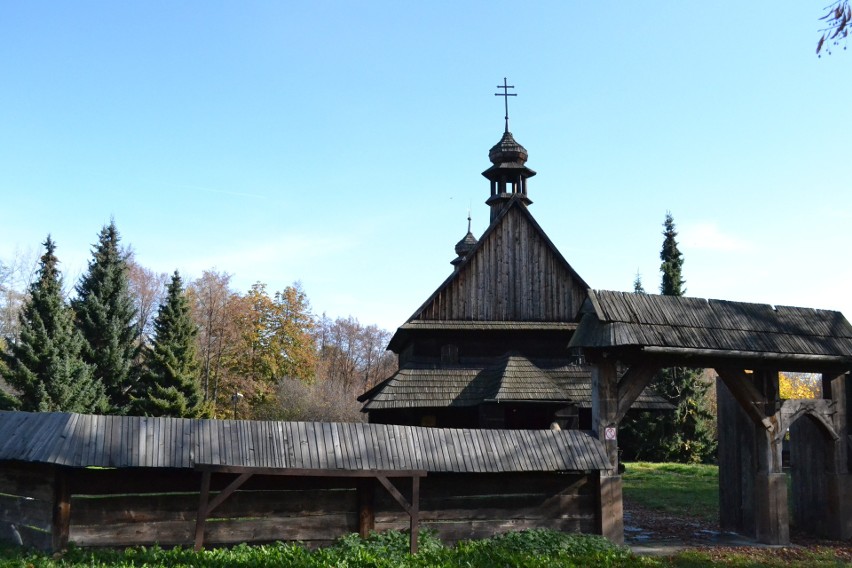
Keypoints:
pixel 514 274
pixel 136 506
pixel 483 505
pixel 455 505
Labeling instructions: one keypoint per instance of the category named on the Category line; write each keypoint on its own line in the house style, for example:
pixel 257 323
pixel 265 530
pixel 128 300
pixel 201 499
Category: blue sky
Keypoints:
pixel 341 144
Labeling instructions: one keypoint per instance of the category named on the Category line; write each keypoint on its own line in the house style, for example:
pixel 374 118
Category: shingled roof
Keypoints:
pixel 512 377
pixel 78 440
pixel 695 326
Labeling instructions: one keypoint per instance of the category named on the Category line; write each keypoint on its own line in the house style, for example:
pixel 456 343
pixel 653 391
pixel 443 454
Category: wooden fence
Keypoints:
pixel 46 506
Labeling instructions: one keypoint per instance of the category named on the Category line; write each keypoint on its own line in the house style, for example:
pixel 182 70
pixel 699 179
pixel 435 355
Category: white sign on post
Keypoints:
pixel 609 433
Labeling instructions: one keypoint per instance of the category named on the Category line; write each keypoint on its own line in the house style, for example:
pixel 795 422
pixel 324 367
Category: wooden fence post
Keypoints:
pixel 61 527
pixel 366 507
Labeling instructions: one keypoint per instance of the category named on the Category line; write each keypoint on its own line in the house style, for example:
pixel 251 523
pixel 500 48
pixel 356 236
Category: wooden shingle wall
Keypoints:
pixel 514 274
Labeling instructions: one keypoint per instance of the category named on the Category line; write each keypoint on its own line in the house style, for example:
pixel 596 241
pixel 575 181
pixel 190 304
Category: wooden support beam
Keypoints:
pixel 366 513
pixel 205 508
pixel 415 514
pixel 610 513
pixel 631 385
pixel 413 508
pixel 746 394
pixel 605 408
pixel 227 492
pixel 201 517
pixel 61 526
pixel 366 507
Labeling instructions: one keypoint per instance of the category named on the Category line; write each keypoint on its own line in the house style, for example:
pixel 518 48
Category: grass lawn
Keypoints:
pixel 682 489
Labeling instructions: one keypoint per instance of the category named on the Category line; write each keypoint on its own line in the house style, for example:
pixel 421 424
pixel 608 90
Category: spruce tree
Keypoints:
pixel 106 316
pixel 685 434
pixel 170 384
pixel 637 284
pixel 672 282
pixel 44 364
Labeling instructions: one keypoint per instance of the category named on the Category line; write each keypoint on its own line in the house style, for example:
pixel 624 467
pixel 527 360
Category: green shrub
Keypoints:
pixel 389 549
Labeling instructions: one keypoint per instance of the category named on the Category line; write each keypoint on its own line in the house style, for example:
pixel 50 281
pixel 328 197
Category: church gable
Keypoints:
pixel 514 273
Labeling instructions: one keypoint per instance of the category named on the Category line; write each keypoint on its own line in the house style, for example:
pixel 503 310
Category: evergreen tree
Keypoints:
pixel 672 283
pixel 686 434
pixel 106 316
pixel 637 284
pixel 170 384
pixel 44 364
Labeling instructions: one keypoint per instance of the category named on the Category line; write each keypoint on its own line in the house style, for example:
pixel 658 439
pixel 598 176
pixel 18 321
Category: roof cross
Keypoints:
pixel 506 94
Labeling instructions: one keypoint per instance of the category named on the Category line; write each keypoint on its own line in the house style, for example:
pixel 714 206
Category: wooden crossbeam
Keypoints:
pixel 746 395
pixel 206 506
pixel 304 472
pixel 413 508
pixel 631 385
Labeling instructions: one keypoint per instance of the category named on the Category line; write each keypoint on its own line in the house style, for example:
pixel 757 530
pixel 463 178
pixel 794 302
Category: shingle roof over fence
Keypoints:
pixel 79 440
pixel 619 319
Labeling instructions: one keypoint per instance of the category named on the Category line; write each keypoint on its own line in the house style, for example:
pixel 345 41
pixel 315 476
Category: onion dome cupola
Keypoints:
pixel 465 246
pixel 508 173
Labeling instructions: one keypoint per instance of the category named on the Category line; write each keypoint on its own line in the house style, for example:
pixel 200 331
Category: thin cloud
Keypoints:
pixel 219 191
pixel 708 236
pixel 257 255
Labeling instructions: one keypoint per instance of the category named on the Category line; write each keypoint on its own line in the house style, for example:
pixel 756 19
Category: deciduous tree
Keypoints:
pixel 799 385
pixel 276 341
pixel 147 289
pixel 216 310
pixel 837 18
pixel 353 355
pixel 44 364
pixel 15 280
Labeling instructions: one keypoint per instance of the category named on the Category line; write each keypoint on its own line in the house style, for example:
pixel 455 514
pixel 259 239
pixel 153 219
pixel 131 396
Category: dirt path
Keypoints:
pixel 642 525
pixel 648 531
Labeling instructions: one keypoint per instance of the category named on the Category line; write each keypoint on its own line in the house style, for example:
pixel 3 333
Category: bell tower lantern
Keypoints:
pixel 508 173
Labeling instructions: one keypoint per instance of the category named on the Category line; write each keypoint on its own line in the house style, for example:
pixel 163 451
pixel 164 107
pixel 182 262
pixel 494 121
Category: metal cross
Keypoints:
pixel 506 94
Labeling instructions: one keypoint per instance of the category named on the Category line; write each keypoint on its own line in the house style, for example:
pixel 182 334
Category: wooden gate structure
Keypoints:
pixel 123 480
pixel 747 344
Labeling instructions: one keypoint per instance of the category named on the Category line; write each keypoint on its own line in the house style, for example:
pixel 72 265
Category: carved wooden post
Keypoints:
pixel 605 427
pixel 840 480
pixel 605 409
pixel 771 512
pixel 765 503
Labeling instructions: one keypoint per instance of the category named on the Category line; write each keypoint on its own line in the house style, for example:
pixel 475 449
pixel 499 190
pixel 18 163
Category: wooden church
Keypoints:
pixel 489 348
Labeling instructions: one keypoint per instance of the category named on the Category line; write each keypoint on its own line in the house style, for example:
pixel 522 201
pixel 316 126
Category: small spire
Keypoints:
pixel 464 246
pixel 506 94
